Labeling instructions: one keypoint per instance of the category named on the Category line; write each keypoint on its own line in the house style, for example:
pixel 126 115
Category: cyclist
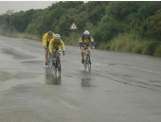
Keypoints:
pixel 86 42
pixel 56 44
pixel 47 37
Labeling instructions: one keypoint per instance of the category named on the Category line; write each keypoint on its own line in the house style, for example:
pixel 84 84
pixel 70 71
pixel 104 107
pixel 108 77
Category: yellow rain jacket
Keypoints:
pixel 46 40
pixel 86 40
pixel 54 45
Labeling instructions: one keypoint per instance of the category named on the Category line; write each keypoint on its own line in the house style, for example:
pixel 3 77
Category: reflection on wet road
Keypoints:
pixel 122 87
pixel 86 79
pixel 50 78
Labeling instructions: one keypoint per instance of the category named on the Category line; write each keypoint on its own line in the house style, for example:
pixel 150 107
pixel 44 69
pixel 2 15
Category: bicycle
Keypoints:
pixel 55 64
pixel 87 62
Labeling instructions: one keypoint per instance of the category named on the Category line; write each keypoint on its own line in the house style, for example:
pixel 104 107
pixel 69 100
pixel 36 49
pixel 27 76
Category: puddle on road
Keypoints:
pixel 25 75
pixel 155 81
pixel 16 54
pixel 32 62
pixel 111 64
pixel 4 76
pixel 85 82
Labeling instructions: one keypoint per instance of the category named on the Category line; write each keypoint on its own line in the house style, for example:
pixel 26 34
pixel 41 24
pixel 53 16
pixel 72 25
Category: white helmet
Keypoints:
pixel 57 36
pixel 86 32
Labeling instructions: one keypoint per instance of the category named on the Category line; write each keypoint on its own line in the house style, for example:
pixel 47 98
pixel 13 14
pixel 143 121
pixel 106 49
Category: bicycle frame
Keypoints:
pixel 55 63
pixel 87 62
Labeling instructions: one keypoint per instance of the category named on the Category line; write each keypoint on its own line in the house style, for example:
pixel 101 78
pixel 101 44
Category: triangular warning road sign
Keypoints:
pixel 73 26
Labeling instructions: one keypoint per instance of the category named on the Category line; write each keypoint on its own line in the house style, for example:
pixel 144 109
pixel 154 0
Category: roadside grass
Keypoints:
pixel 130 43
pixel 158 51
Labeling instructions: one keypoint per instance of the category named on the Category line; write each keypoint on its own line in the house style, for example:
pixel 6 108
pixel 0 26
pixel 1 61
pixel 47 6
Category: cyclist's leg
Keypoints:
pixel 82 54
pixel 59 62
pixel 46 56
pixel 89 52
pixel 59 58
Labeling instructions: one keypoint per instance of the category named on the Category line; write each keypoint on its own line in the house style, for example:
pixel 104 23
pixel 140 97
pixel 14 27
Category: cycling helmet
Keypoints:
pixel 50 33
pixel 57 36
pixel 86 32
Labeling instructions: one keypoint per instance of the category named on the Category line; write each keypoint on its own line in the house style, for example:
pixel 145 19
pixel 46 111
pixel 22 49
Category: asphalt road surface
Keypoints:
pixel 122 87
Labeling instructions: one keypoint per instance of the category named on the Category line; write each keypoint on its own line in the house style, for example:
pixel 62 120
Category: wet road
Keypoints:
pixel 122 87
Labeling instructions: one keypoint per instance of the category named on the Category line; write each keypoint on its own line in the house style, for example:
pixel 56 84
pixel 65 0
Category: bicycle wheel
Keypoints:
pixel 85 63
pixel 57 71
pixel 88 63
pixel 56 68
pixel 53 69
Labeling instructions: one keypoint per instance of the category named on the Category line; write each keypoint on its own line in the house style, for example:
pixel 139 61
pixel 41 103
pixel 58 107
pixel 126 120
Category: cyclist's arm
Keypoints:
pixel 51 45
pixel 81 43
pixel 62 46
pixel 93 44
pixel 92 39
pixel 44 40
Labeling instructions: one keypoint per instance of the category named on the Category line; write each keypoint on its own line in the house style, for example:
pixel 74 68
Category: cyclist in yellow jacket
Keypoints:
pixel 56 44
pixel 86 42
pixel 47 37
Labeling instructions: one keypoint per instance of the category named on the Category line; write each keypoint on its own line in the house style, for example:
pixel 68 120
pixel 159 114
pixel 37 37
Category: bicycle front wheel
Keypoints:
pixel 87 64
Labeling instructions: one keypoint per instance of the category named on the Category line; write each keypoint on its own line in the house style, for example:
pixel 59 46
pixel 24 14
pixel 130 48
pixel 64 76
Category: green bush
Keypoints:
pixel 158 51
pixel 150 47
pixel 130 43
pixel 124 42
pixel 138 48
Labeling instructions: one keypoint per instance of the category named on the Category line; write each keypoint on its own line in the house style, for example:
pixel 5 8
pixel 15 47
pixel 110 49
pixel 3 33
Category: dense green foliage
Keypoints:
pixel 111 23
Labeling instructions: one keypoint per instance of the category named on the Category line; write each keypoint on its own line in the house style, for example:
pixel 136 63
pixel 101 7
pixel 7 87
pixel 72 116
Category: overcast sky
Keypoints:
pixel 22 5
